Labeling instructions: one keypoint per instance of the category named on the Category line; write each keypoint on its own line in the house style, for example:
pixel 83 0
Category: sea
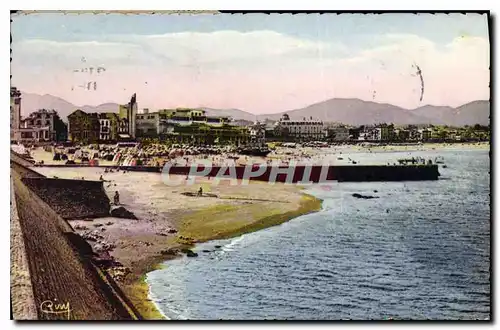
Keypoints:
pixel 420 251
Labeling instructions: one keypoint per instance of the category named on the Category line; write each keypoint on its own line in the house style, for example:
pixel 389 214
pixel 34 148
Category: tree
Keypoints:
pixel 442 134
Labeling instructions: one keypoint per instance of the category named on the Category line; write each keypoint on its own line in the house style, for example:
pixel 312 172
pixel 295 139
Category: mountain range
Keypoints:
pixel 347 111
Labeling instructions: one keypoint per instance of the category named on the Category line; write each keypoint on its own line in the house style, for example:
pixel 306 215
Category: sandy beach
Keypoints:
pixel 169 220
pixel 313 153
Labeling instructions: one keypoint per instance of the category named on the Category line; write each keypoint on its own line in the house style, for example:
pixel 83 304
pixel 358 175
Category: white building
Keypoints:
pixel 303 129
pixel 38 126
pixel 339 133
pixel 164 121
pixel 257 134
pixel 147 124
pixel 127 119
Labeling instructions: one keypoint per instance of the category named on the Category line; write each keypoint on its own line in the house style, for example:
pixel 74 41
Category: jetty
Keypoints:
pixel 295 174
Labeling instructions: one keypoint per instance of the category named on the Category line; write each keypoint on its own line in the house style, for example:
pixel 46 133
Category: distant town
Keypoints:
pixel 194 126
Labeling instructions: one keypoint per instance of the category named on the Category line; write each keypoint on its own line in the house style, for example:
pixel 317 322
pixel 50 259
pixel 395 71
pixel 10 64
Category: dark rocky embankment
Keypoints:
pixel 72 199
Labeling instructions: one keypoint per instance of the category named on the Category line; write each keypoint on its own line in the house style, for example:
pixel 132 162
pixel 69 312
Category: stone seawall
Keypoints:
pixel 72 199
pixel 21 290
pixel 60 274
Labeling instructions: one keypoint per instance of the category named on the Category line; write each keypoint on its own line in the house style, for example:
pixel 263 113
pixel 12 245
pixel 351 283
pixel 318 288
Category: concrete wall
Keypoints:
pixel 21 290
pixel 58 272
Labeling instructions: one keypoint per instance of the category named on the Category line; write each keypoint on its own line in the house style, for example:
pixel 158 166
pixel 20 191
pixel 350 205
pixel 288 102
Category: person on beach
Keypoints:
pixel 116 198
pixel 200 191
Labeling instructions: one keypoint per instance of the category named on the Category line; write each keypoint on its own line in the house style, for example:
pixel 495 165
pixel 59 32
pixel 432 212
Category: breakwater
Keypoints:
pixel 421 251
pixel 294 174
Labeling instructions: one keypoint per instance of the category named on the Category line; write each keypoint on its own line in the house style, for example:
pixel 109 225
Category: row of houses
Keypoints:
pixel 186 125
pixel 309 129
pixel 108 126
pixel 180 125
pixel 40 126
pixel 387 133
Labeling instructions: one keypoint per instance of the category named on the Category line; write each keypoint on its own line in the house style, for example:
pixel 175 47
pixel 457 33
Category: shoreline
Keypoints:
pixel 155 304
pixel 144 245
pixel 316 204
pixel 170 222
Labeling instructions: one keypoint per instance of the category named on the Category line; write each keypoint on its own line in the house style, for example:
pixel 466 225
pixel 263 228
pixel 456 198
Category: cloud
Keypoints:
pixel 223 46
pixel 262 71
pixel 185 48
pixel 454 73
pixel 55 53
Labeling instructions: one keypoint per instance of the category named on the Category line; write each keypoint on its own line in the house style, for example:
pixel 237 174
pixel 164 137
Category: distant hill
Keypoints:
pixel 472 113
pixel 106 107
pixel 234 113
pixel 359 112
pixel 353 112
pixel 476 112
pixel 347 111
pixel 32 102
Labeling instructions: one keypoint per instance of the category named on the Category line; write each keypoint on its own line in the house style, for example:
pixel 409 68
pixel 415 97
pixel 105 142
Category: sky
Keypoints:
pixel 254 62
